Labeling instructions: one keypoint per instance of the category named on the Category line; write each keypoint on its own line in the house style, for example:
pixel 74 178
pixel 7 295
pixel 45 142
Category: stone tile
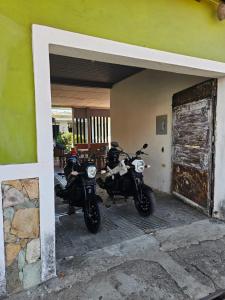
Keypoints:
pixel 32 188
pixel 12 250
pixel 26 204
pixel 13 281
pixel 12 197
pixel 32 274
pixel 26 223
pixel 23 242
pixel 33 251
pixel 21 276
pixel 21 260
pixel 14 183
pixel 8 213
pixel 7 226
pixel 5 188
pixel 9 238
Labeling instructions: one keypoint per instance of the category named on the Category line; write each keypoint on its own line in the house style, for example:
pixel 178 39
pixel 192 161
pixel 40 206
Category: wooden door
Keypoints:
pixel 193 144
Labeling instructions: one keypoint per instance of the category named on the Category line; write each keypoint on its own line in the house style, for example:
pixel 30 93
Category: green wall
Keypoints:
pixel 181 26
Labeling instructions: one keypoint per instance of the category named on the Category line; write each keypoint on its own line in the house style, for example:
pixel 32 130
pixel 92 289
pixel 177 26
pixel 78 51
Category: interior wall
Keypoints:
pixel 135 103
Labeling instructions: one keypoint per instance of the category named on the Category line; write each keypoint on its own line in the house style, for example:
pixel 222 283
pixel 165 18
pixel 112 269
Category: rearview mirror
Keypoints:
pixel 145 146
pixel 115 144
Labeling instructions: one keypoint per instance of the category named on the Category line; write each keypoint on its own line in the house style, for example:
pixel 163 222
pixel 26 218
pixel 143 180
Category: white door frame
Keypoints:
pixel 47 40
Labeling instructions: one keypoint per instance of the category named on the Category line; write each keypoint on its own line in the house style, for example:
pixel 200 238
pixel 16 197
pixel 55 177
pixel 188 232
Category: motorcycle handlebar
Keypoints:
pixel 137 153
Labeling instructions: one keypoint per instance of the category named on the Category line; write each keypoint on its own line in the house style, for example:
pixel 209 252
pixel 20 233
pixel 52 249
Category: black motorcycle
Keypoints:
pixel 125 178
pixel 80 191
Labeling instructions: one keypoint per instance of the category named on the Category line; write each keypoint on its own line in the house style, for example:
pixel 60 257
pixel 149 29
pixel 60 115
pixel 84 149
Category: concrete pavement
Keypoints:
pixel 184 262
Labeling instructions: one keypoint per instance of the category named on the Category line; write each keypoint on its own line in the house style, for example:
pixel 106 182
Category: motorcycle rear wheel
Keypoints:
pixel 146 206
pixel 92 217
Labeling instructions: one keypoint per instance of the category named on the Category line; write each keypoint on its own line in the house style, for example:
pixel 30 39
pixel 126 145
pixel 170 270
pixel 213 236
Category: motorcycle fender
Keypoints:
pixel 145 186
pixel 142 186
pixel 89 189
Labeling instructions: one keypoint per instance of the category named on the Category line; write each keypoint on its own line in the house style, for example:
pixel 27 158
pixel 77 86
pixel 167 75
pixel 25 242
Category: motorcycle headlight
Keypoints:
pixel 139 165
pixel 91 171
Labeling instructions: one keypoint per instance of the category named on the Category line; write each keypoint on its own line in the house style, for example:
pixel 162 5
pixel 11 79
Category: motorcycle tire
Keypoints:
pixel 59 191
pixel 147 207
pixel 92 217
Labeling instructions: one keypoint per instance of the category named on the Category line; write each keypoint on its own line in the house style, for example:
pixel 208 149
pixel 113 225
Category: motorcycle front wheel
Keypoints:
pixel 92 217
pixel 146 205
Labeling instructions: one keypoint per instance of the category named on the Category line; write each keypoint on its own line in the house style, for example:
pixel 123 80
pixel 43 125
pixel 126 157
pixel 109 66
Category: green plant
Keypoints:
pixel 65 139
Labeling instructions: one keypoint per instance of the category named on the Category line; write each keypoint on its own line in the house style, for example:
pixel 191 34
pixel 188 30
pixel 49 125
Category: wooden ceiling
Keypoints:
pixel 84 83
pixel 77 96
pixel 82 72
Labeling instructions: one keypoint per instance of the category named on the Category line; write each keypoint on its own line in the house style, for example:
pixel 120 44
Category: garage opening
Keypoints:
pixel 94 103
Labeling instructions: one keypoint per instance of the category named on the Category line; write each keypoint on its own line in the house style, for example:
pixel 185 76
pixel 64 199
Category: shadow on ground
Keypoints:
pixel 120 222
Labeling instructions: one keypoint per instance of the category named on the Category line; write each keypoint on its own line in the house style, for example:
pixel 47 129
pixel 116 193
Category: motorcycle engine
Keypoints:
pixel 125 185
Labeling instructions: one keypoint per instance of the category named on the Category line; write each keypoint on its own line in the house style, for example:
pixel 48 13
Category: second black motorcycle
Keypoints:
pixel 125 178
pixel 80 191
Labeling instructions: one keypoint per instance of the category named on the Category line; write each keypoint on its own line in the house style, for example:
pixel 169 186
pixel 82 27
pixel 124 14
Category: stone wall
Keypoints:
pixel 21 233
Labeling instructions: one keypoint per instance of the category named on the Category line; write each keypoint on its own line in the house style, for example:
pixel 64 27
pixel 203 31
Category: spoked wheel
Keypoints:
pixel 146 205
pixel 92 216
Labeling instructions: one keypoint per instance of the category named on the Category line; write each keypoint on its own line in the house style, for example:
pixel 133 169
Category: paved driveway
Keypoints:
pixel 184 262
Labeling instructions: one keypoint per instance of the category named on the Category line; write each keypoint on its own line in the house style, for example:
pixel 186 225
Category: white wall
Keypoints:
pixel 135 103
pixel 219 188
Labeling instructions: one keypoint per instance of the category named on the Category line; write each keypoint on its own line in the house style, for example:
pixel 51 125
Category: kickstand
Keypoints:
pixel 113 199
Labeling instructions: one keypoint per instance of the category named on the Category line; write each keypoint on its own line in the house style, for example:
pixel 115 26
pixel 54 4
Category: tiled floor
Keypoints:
pixel 120 222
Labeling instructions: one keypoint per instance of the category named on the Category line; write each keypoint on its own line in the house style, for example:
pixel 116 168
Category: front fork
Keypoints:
pixel 138 183
pixel 89 189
